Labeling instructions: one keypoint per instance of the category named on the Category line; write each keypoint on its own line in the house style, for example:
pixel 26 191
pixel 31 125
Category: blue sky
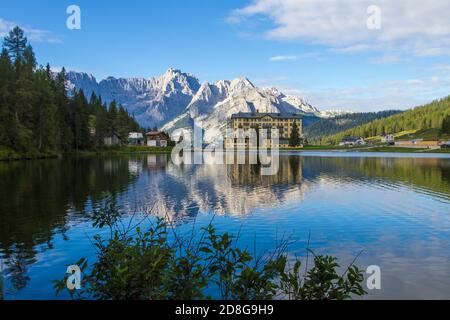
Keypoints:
pixel 320 50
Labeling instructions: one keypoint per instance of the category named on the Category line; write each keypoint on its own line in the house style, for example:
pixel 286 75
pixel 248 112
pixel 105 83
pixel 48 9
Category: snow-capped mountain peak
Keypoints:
pixel 240 84
pixel 175 99
pixel 334 113
pixel 153 101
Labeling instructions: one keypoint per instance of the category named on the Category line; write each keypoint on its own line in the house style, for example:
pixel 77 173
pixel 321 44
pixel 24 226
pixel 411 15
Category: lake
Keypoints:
pixel 394 207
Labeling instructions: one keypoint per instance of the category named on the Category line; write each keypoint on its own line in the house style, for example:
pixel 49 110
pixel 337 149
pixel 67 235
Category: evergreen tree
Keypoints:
pixel 111 119
pixel 445 129
pixel 101 127
pixel 82 135
pixel 294 139
pixel 63 115
pixel 122 123
pixel 7 120
pixel 23 95
pixel 15 43
pixel 44 114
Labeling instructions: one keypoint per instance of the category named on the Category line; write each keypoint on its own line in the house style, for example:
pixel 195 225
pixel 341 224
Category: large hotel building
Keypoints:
pixel 284 122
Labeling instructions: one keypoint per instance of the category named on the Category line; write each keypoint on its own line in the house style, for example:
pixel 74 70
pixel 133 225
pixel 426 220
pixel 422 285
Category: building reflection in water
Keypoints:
pixel 289 172
pixel 183 191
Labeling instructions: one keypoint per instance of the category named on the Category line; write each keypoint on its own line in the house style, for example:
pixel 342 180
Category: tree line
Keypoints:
pixel 38 114
pixel 430 116
pixel 331 126
pixel 446 125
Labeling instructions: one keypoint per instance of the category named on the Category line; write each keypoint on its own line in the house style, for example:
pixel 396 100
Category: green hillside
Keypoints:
pixel 331 126
pixel 430 116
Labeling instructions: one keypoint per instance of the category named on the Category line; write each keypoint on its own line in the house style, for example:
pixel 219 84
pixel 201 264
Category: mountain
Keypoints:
pixel 429 116
pixel 329 126
pixel 153 101
pixel 334 113
pixel 175 100
pixel 214 104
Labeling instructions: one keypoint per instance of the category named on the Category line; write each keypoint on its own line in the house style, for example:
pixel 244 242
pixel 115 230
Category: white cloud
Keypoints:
pixel 283 58
pixel 302 56
pixel 36 35
pixel 407 26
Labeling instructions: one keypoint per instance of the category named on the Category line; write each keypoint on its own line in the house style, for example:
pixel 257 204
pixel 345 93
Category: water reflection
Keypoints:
pixel 42 199
pixel 424 174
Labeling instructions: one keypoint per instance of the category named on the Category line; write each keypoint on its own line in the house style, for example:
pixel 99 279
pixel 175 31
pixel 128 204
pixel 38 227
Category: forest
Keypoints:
pixel 39 116
pixel 326 127
pixel 434 115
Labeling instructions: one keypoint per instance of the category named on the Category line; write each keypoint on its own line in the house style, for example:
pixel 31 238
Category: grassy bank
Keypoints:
pixel 369 149
pixel 438 151
pixel 323 148
pixel 407 150
pixel 10 155
pixel 395 149
pixel 378 149
pixel 7 154
pixel 110 151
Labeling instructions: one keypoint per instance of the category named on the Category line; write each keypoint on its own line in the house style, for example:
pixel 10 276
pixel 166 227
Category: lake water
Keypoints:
pixel 395 207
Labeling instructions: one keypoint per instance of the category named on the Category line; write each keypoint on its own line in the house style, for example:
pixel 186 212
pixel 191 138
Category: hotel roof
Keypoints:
pixel 258 115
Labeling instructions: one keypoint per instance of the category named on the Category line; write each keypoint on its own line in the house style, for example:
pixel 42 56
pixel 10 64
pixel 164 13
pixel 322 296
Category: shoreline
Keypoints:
pixel 9 156
pixel 375 149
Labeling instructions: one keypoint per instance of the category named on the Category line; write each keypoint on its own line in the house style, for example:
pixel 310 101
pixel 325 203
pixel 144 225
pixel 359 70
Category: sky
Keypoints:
pixel 344 54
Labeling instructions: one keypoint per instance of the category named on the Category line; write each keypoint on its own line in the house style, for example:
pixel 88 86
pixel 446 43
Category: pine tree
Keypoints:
pixel 15 43
pixel 101 129
pixel 122 125
pixel 63 113
pixel 111 119
pixel 44 113
pixel 22 88
pixel 294 140
pixel 7 120
pixel 445 129
pixel 82 137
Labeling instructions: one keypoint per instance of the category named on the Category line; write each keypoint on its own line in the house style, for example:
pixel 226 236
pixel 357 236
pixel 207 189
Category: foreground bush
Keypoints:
pixel 133 264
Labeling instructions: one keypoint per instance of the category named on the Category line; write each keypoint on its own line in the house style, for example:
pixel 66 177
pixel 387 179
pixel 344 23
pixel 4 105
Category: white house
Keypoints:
pixel 352 141
pixel 444 144
pixel 157 139
pixel 389 138
pixel 135 138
